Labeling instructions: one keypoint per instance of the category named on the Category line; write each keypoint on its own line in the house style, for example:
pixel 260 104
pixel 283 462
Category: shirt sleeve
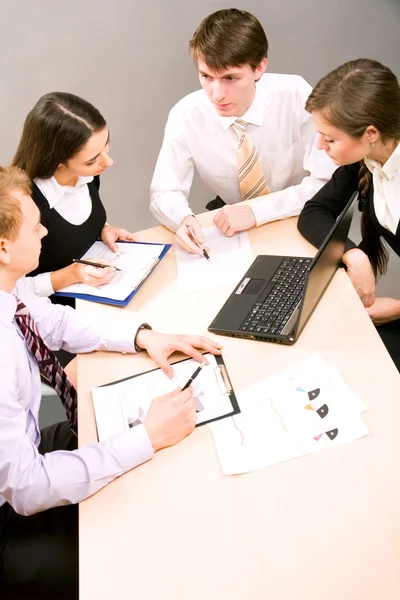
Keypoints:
pixel 62 327
pixel 320 213
pixel 40 285
pixel 31 482
pixel 173 175
pixel 289 202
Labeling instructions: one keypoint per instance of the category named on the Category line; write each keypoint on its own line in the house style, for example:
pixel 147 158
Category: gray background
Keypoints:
pixel 130 59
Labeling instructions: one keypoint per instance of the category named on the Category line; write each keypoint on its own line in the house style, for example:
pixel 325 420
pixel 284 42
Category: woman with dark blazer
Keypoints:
pixel 356 110
pixel 64 149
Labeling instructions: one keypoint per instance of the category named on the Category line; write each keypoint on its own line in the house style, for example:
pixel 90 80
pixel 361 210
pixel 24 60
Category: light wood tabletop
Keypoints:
pixel 326 525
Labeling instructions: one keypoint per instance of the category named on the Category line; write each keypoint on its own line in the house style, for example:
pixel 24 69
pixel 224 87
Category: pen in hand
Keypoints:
pixel 193 376
pixel 196 241
pixel 94 264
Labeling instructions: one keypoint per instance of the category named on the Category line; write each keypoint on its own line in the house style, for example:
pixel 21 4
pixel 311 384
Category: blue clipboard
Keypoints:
pixel 103 299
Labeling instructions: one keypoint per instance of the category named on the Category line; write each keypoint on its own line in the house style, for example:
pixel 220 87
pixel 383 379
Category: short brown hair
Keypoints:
pixel 11 178
pixel 229 38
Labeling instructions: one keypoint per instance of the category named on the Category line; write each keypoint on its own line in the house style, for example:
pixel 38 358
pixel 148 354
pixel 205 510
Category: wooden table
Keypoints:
pixel 324 526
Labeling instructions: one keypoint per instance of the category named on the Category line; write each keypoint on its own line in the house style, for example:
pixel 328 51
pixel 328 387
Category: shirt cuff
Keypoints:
pixel 118 337
pixel 276 205
pixel 132 447
pixel 42 285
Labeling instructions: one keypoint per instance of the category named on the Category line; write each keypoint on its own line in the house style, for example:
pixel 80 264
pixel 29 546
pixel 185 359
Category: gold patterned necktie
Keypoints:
pixel 251 177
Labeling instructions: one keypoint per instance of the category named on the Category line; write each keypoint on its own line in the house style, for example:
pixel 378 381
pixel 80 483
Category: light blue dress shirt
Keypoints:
pixel 29 481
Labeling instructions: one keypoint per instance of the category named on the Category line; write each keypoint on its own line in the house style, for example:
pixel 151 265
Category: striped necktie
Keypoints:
pixel 251 177
pixel 49 364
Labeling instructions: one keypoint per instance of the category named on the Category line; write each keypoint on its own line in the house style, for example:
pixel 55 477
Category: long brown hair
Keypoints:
pixel 229 38
pixel 56 128
pixel 357 94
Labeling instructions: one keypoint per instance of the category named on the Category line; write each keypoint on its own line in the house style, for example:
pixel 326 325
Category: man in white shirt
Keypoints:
pixel 43 474
pixel 230 50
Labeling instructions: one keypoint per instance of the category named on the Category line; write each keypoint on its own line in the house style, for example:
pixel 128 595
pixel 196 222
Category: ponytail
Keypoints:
pixel 372 243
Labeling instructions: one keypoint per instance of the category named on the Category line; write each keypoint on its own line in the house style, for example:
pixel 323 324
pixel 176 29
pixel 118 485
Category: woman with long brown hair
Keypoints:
pixel 356 110
pixel 64 148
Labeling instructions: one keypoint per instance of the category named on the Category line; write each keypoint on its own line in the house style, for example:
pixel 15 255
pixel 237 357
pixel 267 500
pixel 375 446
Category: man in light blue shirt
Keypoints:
pixel 43 474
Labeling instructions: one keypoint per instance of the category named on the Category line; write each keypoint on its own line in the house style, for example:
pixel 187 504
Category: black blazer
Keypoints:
pixel 320 213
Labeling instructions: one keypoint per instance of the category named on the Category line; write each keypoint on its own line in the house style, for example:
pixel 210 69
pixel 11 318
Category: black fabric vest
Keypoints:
pixel 65 241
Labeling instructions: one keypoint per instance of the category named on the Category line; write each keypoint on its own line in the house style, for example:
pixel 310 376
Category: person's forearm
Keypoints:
pixel 64 277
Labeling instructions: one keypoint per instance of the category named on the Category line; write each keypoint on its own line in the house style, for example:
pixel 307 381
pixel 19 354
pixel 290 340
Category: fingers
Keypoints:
pixel 97 276
pixel 368 300
pixel 126 236
pixel 189 345
pixel 198 232
pixel 184 241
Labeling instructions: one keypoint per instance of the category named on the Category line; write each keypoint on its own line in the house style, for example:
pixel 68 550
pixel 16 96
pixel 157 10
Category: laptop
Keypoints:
pixel 277 295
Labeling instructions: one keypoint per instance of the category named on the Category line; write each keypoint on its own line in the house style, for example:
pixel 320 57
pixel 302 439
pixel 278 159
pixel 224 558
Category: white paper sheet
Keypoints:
pixel 230 257
pixel 134 260
pixel 300 411
pixel 122 405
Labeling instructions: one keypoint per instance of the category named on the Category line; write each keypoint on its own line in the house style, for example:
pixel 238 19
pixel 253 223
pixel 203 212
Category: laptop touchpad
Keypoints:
pixel 254 286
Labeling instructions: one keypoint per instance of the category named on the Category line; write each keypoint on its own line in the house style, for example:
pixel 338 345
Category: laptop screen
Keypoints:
pixel 327 260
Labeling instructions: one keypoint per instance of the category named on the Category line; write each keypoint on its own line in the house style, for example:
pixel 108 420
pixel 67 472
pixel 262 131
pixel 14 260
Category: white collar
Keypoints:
pixel 8 306
pixel 53 191
pixel 391 166
pixel 254 114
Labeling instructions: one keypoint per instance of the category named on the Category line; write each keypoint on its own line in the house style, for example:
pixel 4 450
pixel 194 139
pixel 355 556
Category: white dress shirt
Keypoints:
pixel 74 204
pixel 386 180
pixel 281 130
pixel 29 481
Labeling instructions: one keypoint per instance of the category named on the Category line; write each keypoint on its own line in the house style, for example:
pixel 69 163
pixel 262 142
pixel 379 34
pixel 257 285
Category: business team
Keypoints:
pixel 265 144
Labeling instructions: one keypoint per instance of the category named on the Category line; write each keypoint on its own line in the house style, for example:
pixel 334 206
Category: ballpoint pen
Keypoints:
pixel 196 241
pixel 93 264
pixel 197 371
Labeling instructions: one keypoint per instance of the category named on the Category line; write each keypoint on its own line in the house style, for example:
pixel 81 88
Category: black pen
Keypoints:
pixel 196 241
pixel 94 264
pixel 197 371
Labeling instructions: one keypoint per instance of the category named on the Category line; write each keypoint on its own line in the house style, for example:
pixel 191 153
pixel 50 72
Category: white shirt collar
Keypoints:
pixel 8 306
pixel 391 166
pixel 254 114
pixel 53 191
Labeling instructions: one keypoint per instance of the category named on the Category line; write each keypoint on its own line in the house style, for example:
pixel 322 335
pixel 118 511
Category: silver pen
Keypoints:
pixel 196 241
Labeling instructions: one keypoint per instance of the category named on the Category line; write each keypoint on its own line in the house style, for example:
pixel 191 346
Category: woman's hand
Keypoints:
pixel 94 276
pixel 109 235
pixel 384 310
pixel 361 275
pixel 160 346
pixel 79 273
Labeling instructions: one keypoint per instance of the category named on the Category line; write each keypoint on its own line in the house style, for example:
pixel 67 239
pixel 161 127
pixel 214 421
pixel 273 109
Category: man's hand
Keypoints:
pixel 170 418
pixel 361 275
pixel 160 346
pixel 234 218
pixel 109 235
pixel 184 240
pixel 384 310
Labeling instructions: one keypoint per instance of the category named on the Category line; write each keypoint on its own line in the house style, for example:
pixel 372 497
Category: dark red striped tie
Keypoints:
pixel 49 364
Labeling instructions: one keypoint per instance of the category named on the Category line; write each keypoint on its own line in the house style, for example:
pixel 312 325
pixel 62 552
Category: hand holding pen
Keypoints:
pixel 196 241
pixel 92 272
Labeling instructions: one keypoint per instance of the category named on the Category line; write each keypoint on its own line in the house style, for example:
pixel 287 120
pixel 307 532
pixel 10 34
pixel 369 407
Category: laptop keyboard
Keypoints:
pixel 272 314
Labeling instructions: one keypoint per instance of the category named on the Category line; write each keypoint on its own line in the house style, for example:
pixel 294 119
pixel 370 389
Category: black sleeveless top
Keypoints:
pixel 66 241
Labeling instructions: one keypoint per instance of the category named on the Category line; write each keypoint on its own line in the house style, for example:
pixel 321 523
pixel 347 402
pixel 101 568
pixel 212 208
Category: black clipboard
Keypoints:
pixel 223 380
